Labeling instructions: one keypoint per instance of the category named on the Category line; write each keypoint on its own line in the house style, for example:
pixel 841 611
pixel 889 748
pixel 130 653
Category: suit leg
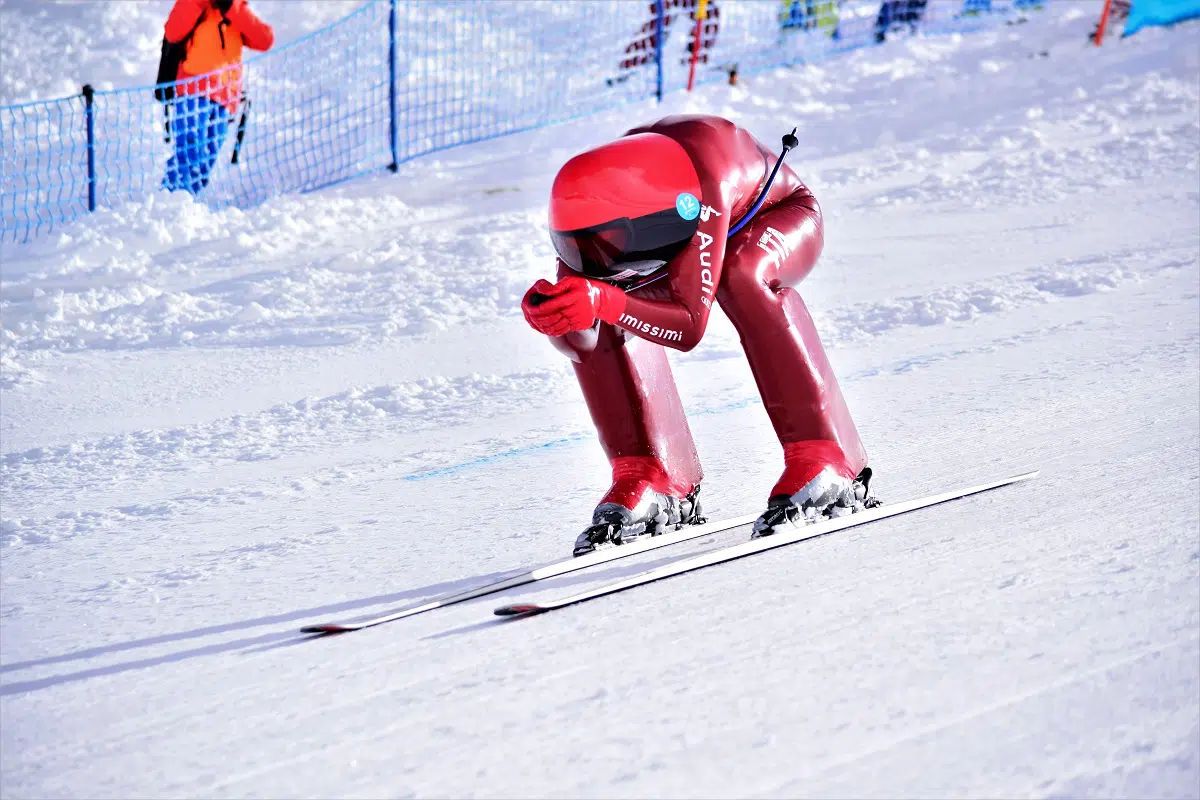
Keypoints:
pixel 631 394
pixel 763 262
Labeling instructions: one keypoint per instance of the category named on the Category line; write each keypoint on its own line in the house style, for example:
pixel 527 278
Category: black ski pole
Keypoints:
pixel 241 131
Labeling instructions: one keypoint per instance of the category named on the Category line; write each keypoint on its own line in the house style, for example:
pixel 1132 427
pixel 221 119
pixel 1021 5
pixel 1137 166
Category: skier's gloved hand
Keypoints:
pixel 572 304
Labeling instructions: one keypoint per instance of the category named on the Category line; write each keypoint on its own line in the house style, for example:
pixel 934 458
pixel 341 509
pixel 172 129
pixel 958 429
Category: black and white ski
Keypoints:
pixel 779 539
pixel 538 574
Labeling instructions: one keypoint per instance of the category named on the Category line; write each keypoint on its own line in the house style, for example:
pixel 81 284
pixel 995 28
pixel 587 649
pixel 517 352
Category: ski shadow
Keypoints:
pixel 494 622
pixel 23 687
pixel 265 642
pixel 269 640
pixel 560 585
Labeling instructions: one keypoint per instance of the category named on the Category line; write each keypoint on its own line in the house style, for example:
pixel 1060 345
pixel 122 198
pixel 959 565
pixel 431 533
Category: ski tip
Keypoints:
pixel 1024 476
pixel 518 609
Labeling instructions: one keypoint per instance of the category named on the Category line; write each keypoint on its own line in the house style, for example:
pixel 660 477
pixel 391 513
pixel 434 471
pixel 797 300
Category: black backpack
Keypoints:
pixel 168 62
pixel 172 56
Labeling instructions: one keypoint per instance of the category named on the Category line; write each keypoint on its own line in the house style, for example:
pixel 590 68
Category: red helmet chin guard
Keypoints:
pixel 621 211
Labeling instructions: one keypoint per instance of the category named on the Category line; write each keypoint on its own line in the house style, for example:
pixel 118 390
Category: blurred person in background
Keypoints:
pixel 207 37
pixel 895 14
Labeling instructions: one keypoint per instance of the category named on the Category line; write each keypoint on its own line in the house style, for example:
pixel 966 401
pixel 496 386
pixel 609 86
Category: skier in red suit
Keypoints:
pixel 642 230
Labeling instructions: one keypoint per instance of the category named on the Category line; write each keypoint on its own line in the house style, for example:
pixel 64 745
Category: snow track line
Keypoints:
pixel 983 710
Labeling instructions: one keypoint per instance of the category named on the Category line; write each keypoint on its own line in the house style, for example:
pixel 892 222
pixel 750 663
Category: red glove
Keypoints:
pixel 572 304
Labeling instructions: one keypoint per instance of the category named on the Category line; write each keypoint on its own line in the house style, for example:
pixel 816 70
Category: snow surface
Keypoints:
pixel 219 426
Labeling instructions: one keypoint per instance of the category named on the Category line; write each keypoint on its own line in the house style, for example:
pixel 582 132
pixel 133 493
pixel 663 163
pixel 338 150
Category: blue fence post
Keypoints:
pixel 658 46
pixel 395 165
pixel 88 92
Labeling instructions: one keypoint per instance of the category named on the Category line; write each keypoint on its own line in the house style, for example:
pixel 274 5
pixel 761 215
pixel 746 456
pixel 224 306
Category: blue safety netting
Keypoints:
pixel 401 78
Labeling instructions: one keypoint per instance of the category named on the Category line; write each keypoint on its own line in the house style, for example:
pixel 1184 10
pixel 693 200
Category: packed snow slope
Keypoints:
pixel 218 427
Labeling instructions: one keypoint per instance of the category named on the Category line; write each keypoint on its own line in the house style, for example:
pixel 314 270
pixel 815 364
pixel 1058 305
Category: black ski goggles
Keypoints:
pixel 625 248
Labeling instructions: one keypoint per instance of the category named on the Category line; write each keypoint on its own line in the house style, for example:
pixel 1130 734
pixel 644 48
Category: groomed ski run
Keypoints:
pixel 220 426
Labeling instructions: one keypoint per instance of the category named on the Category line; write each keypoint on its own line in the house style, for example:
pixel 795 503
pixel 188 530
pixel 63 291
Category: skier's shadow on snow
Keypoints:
pixel 563 584
pixel 266 641
pixel 612 572
pixel 280 639
pixel 476 626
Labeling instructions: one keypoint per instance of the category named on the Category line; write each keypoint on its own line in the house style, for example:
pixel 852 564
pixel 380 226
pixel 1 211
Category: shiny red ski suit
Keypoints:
pixel 623 369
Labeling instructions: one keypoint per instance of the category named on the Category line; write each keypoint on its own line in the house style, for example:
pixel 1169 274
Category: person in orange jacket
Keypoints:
pixel 209 86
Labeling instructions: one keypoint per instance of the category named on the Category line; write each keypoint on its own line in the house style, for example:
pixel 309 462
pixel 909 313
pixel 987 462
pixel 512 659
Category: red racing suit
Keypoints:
pixel 623 369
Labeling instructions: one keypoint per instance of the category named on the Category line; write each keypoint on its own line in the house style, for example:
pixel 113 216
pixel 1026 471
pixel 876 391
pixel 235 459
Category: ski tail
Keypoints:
pixel 520 608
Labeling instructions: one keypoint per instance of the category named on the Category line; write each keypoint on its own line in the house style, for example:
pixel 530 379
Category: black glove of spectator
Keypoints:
pixel 222 5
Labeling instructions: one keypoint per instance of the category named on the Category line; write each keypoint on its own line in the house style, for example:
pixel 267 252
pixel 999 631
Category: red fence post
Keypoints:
pixel 1103 22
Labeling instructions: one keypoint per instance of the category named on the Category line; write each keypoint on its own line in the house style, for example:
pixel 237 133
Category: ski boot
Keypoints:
pixel 642 512
pixel 826 496
pixel 816 484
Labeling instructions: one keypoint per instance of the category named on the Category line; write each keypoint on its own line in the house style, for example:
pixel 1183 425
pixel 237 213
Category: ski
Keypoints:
pixel 724 554
pixel 538 574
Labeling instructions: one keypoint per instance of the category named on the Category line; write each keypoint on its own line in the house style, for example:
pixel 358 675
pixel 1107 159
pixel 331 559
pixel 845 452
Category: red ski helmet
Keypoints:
pixel 621 211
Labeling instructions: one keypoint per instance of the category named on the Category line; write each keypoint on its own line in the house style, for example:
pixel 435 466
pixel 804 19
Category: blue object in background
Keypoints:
pixel 198 126
pixel 1159 12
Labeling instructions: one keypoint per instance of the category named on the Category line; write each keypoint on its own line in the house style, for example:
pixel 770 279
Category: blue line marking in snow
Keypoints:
pixel 441 472
pixel 453 469
pixel 736 405
pixel 904 365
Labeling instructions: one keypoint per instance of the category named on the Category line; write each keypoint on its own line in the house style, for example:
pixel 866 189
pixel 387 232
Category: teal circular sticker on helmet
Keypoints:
pixel 688 206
